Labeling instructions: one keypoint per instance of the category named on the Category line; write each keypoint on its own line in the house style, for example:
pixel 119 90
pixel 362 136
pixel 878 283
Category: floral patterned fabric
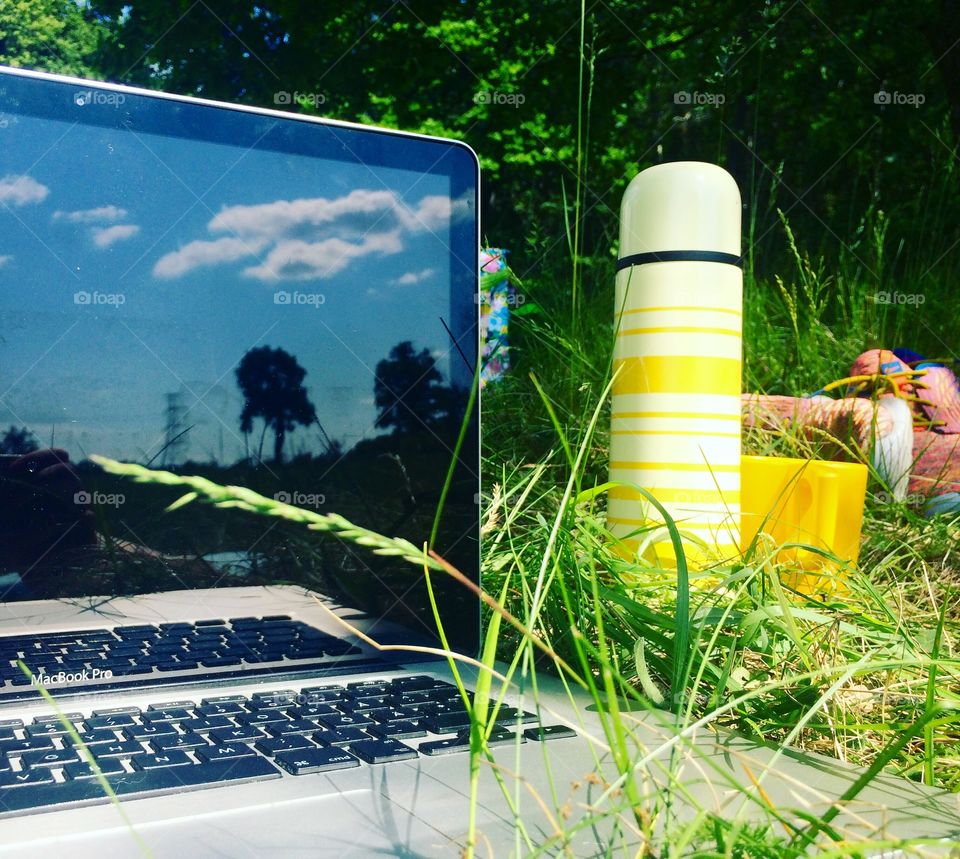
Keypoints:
pixel 496 298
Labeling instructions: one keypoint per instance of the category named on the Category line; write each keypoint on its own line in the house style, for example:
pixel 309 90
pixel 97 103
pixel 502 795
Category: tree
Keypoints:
pixel 271 382
pixel 407 390
pixel 795 105
pixel 53 35
pixel 17 441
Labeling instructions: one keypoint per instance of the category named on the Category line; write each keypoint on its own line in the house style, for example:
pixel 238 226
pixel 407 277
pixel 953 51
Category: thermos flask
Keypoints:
pixel 675 425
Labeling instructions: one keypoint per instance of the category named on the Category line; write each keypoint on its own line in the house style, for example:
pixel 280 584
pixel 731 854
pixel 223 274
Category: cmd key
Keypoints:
pixel 305 761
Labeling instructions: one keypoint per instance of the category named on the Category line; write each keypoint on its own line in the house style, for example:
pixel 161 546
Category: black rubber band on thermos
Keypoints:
pixel 679 256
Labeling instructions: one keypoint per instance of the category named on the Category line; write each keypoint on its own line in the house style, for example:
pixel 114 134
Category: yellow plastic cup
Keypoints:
pixel 810 502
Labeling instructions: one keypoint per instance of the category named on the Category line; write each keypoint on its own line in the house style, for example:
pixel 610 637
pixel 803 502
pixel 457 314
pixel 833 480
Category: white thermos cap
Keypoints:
pixel 681 206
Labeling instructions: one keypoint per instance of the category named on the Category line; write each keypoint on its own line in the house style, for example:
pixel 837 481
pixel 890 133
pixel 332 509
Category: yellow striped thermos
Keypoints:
pixel 675 424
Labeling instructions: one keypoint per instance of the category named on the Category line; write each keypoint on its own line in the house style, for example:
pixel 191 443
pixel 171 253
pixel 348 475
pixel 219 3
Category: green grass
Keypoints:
pixel 870 678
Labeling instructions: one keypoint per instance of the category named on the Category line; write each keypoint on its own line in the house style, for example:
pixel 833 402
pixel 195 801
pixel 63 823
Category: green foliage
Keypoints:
pixel 787 104
pixel 53 35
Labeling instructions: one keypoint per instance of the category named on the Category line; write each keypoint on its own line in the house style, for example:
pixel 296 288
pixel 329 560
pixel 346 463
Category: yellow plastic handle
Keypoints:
pixel 828 497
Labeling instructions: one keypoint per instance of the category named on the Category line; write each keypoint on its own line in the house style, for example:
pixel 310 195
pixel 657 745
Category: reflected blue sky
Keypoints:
pixel 134 266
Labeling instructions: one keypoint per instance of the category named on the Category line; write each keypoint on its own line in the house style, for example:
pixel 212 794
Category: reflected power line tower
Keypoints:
pixel 176 439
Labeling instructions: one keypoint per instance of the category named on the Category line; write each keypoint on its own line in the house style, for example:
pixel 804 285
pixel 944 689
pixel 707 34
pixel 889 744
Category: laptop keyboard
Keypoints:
pixel 172 746
pixel 129 651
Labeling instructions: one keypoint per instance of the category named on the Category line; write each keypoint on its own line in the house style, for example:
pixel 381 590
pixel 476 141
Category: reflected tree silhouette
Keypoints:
pixel 408 391
pixel 18 441
pixel 271 381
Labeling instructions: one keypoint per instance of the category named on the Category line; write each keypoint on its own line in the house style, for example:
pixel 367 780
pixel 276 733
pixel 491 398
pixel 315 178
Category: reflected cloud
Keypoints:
pixel 299 260
pixel 313 237
pixel 103 237
pixel 413 277
pixel 98 215
pixel 21 190
pixel 203 253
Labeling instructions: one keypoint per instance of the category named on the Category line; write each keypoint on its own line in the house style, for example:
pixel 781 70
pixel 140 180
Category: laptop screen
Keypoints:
pixel 269 302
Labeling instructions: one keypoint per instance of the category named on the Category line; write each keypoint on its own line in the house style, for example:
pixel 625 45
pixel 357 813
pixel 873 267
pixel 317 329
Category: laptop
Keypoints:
pixel 287 305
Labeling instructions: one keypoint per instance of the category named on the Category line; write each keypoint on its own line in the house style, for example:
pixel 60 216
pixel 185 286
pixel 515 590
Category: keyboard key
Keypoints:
pixel 343 721
pixel 16 747
pixel 149 731
pixel 444 723
pixel 48 758
pixel 117 711
pixel 228 751
pixel 224 699
pixel 95 738
pixel 416 682
pixel 109 722
pixel 311 711
pixel 549 732
pixel 341 737
pixel 55 729
pixel 372 702
pixel 398 730
pixel 136 784
pixel 24 778
pixel 324 694
pixel 280 697
pixel 382 751
pixel 241 734
pixel 304 761
pixel 297 726
pixel 202 726
pixel 55 720
pixel 392 714
pixel 283 744
pixel 119 749
pixel 370 687
pixel 223 709
pixel 166 759
pixel 171 705
pixel 262 717
pixel 108 766
pixel 180 741
pixel 167 714
pixel 444 747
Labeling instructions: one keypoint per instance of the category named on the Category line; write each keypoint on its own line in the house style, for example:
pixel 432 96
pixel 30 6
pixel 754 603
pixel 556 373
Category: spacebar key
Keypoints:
pixel 50 797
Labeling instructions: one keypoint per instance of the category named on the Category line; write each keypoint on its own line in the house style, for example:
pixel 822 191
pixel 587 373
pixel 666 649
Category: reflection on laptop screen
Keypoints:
pixel 274 303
